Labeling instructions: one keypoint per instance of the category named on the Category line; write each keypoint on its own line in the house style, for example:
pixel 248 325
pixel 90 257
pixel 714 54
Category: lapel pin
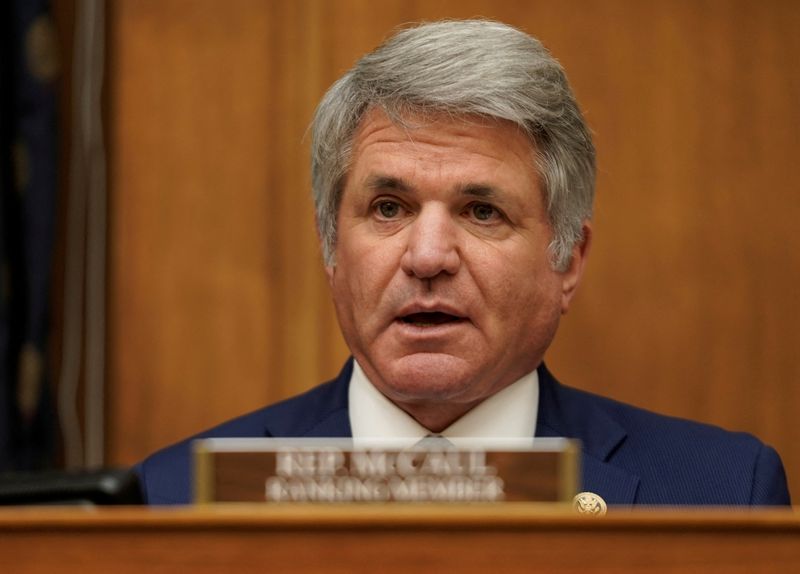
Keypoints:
pixel 589 503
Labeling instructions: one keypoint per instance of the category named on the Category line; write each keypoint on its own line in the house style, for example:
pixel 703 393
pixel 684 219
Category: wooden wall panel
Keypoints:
pixel 218 301
pixel 189 237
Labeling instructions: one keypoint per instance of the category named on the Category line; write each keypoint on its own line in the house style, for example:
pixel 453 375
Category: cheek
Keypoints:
pixel 519 290
pixel 363 277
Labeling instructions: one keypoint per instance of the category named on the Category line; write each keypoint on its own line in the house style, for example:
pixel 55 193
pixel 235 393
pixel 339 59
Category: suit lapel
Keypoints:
pixel 334 425
pixel 321 412
pixel 566 412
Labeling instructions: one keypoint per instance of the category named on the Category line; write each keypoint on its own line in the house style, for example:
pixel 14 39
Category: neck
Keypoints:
pixel 436 417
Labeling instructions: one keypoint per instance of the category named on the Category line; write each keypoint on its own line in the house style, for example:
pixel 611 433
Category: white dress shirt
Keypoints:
pixel 506 417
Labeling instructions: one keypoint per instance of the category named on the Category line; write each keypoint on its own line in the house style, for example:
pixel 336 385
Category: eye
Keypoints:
pixel 387 209
pixel 483 211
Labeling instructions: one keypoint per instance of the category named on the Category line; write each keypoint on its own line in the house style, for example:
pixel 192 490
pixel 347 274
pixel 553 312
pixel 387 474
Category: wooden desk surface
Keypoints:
pixel 396 538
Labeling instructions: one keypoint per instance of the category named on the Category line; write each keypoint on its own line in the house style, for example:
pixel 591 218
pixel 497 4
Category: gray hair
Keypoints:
pixel 460 68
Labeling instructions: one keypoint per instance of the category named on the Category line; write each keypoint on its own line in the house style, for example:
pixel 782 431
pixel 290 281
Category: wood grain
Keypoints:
pixel 422 538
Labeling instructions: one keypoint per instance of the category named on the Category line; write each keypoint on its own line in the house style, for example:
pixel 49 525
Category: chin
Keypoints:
pixel 430 377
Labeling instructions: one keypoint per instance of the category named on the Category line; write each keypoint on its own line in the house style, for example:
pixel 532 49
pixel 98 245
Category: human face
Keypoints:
pixel 443 283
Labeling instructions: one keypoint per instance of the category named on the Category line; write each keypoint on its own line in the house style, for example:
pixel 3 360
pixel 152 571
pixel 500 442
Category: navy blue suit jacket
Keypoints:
pixel 630 456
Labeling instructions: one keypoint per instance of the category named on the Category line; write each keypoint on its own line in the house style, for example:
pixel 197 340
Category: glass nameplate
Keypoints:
pixel 343 470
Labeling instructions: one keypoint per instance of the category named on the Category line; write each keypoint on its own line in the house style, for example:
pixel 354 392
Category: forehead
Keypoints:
pixel 470 145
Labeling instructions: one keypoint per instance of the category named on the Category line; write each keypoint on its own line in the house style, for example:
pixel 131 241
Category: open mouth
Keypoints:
pixel 429 319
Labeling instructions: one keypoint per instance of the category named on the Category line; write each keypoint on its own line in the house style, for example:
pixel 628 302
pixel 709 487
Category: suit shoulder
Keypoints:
pixel 641 419
pixel 165 476
pixel 651 429
pixel 681 461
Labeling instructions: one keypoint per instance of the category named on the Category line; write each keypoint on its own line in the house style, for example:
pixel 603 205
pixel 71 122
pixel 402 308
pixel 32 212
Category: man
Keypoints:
pixel 453 180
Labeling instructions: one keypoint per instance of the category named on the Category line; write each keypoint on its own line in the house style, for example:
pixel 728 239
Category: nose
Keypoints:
pixel 432 245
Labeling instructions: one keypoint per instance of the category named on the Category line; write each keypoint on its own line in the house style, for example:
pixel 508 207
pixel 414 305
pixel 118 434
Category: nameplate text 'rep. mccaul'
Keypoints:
pixel 343 470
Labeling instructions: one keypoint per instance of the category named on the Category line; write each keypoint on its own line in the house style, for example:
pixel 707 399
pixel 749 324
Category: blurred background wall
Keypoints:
pixel 217 303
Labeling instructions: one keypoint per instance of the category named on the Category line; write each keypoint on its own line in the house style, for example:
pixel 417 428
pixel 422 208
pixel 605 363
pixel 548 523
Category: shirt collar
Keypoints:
pixel 508 414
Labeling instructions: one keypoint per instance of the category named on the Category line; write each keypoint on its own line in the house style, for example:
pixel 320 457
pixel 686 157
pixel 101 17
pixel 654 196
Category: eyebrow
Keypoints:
pixel 478 190
pixel 379 182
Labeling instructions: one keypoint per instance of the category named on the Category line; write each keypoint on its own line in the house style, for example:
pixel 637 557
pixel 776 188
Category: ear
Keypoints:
pixel 572 276
pixel 330 270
